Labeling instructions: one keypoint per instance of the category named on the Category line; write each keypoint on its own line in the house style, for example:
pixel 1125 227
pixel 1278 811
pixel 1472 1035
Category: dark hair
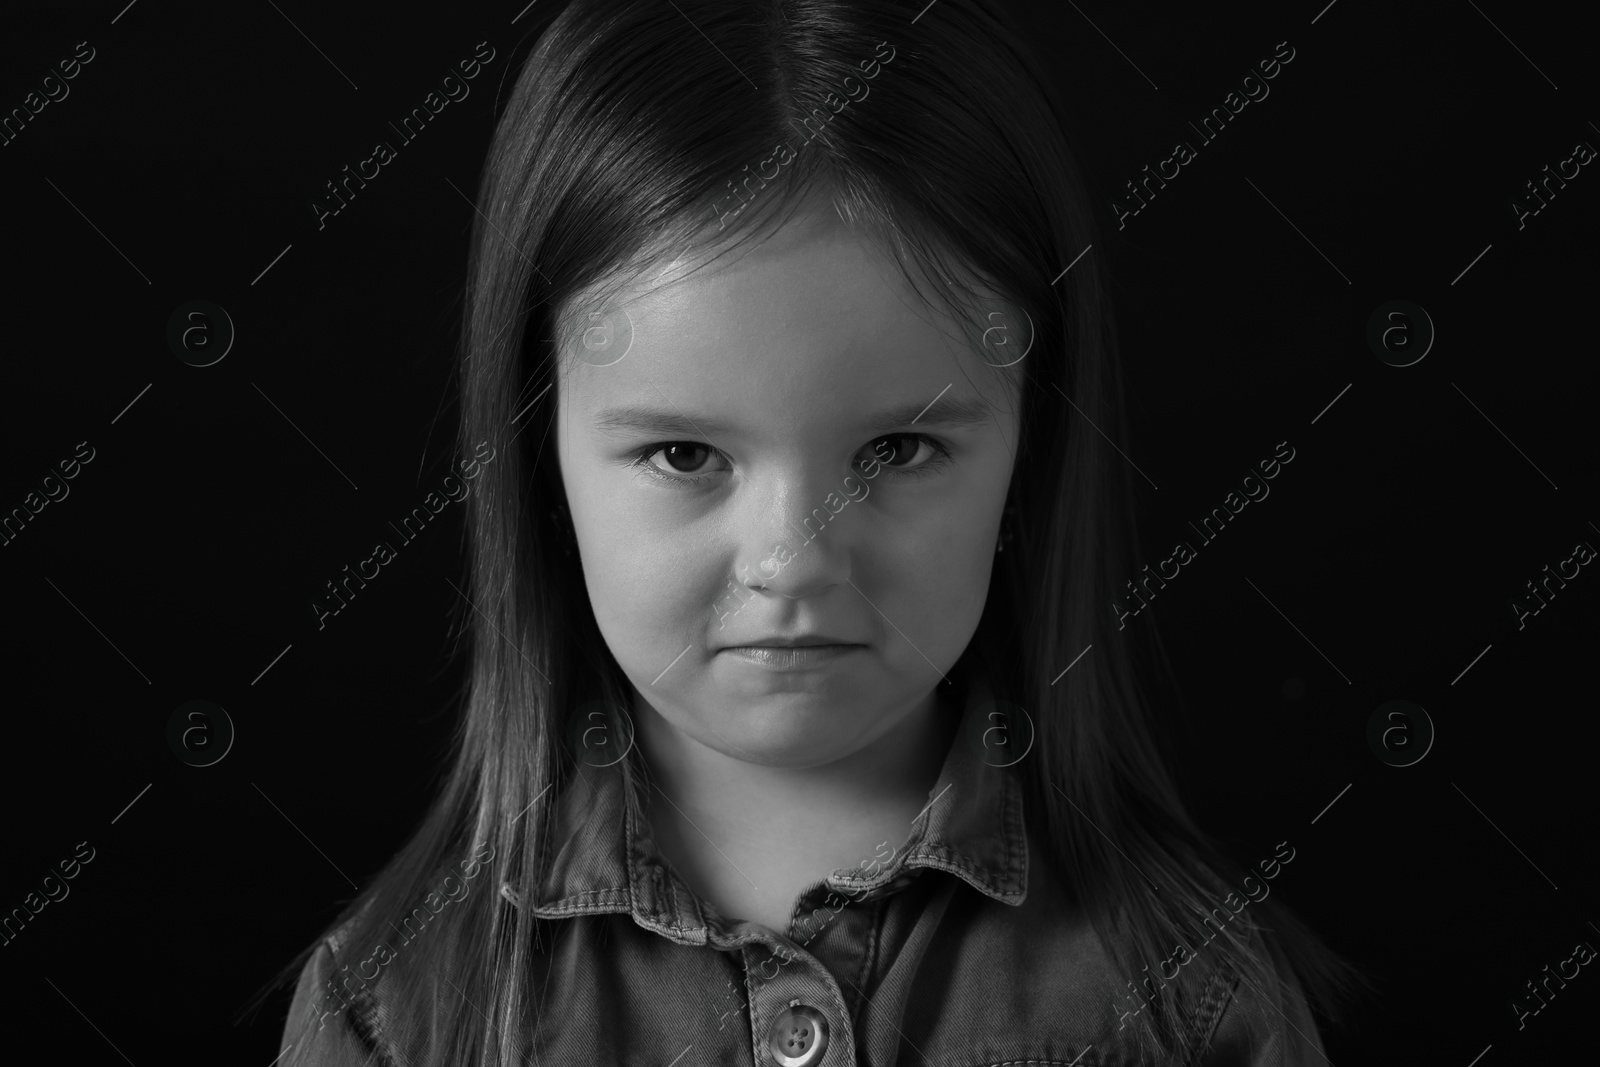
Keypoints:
pixel 630 126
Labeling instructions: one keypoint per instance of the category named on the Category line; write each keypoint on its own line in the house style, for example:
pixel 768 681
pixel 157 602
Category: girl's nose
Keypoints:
pixel 795 544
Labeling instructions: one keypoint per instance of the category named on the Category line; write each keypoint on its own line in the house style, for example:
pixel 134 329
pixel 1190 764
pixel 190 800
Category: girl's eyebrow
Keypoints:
pixel 947 411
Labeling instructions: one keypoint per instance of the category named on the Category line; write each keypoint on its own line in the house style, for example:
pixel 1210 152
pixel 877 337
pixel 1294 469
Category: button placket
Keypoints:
pixel 798 1017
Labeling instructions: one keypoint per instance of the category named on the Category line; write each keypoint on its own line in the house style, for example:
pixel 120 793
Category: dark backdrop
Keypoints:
pixel 1382 166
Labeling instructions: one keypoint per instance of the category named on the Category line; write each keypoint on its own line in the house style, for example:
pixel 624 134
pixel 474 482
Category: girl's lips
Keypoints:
pixel 800 657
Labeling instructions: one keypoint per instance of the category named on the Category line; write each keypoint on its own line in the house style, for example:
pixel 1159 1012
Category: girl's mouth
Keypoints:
pixel 796 658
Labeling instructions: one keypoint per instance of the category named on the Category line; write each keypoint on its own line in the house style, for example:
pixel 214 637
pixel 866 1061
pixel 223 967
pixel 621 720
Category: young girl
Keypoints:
pixel 798 729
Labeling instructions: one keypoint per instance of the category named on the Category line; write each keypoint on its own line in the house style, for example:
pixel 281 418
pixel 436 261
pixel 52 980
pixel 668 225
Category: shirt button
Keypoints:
pixel 799 1036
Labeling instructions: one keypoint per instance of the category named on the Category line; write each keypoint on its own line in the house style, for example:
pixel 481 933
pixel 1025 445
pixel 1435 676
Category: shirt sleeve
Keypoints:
pixel 317 1032
pixel 1264 1027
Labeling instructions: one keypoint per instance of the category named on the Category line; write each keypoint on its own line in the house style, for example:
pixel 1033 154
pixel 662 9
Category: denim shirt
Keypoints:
pixel 958 948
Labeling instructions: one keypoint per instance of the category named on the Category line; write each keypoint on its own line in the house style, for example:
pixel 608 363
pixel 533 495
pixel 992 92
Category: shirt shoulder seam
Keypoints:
pixel 1217 995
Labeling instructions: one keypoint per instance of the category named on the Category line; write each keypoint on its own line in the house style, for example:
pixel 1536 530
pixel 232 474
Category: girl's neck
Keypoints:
pixel 748 838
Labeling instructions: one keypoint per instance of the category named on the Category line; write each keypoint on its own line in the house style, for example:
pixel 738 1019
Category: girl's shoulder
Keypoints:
pixel 1227 1017
pixel 1269 1026
pixel 367 988
pixel 333 1020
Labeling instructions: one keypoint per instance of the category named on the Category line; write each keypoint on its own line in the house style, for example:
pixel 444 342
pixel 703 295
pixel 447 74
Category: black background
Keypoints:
pixel 1380 567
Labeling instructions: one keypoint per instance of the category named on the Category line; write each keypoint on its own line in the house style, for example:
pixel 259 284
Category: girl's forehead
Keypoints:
pixel 814 301
pixel 811 268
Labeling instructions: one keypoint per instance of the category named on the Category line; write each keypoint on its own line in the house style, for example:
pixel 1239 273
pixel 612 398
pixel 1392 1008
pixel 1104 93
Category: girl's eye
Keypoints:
pixel 680 457
pixel 896 451
pixel 908 455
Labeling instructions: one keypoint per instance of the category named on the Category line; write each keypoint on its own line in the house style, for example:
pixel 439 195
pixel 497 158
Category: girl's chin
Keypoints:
pixel 795 737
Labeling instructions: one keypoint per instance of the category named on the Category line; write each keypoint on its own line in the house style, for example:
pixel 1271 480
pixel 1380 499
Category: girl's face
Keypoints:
pixel 754 468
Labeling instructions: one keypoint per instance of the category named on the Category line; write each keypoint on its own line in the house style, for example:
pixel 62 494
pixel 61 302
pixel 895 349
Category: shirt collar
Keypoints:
pixel 603 860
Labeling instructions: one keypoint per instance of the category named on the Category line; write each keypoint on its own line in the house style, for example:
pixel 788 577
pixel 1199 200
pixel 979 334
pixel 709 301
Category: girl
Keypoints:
pixel 797 730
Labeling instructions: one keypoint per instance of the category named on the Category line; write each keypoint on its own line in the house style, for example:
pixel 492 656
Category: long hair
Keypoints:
pixel 638 129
